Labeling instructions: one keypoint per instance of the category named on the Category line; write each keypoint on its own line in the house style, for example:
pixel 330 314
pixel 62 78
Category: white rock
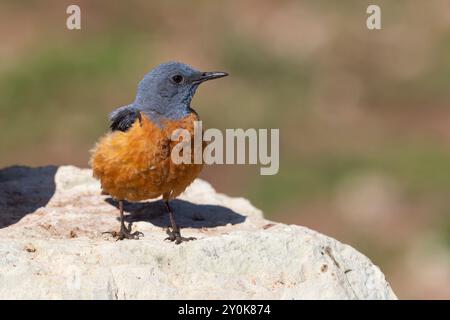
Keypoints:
pixel 52 247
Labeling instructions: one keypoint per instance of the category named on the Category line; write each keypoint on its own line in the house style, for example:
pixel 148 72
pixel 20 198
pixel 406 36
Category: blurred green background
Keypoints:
pixel 364 115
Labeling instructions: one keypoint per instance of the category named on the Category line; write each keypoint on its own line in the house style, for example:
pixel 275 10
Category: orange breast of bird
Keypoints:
pixel 136 165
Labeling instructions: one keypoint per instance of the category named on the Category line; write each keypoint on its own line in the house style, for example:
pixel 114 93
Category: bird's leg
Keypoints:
pixel 125 232
pixel 174 234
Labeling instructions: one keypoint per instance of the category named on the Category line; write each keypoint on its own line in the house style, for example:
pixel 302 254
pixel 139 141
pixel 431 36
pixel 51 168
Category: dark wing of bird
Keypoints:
pixel 123 118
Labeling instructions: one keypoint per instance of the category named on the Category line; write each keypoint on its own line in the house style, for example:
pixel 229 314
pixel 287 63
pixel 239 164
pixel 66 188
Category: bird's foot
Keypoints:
pixel 174 235
pixel 125 233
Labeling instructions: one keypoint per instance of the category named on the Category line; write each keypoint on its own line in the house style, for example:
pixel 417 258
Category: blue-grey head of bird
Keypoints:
pixel 167 90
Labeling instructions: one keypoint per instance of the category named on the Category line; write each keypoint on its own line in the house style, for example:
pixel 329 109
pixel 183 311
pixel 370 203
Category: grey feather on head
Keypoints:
pixel 167 90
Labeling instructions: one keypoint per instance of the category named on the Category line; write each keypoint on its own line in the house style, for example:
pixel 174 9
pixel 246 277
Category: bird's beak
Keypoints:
pixel 205 76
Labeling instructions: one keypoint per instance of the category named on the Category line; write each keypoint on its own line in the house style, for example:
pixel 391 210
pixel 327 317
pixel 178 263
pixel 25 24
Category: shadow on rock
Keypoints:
pixel 187 214
pixel 23 190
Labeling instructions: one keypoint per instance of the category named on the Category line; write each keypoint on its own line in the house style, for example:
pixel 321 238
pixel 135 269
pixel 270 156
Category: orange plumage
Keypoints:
pixel 133 162
pixel 136 165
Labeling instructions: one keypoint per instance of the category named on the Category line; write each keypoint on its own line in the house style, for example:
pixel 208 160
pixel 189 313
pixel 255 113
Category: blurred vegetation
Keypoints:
pixel 363 115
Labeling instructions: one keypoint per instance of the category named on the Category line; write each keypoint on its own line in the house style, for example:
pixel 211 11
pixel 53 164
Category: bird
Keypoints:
pixel 132 161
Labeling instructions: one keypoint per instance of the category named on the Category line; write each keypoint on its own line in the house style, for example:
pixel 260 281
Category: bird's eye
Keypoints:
pixel 177 78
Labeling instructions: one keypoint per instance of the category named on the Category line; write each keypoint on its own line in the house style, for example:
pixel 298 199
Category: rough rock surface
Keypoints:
pixel 52 246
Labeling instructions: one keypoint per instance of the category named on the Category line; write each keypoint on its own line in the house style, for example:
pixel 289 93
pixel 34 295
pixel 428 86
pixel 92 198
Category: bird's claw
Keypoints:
pixel 175 236
pixel 125 233
pixel 135 235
